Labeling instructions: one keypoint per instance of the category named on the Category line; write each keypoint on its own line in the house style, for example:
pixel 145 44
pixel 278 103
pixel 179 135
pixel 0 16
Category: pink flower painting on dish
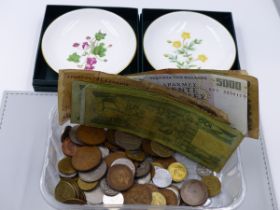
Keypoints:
pixel 90 52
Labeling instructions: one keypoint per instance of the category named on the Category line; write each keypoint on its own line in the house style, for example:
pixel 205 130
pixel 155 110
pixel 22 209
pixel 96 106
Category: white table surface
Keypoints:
pixel 257 26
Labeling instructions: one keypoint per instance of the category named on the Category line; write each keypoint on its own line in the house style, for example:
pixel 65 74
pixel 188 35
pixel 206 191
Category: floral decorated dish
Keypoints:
pixel 89 39
pixel 188 40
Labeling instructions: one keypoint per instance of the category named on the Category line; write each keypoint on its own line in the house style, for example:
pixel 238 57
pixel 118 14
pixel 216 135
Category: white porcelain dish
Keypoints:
pixel 89 39
pixel 231 176
pixel 188 40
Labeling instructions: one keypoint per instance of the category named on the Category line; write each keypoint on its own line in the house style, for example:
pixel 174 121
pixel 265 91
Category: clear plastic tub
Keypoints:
pixel 231 176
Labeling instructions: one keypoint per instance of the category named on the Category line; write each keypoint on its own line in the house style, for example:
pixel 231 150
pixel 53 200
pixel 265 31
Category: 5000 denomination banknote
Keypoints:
pixel 226 93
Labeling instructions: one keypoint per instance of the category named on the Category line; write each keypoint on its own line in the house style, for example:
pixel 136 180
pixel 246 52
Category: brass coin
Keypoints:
pixel 64 191
pixel 146 146
pixel 65 133
pixel 213 185
pixel 158 199
pixel 90 135
pixel 65 166
pixel 165 162
pixel 138 194
pixel 87 186
pixel 161 150
pixel 120 177
pixel 68 147
pixel 127 141
pixel 135 155
pixel 194 192
pixel 113 156
pixel 170 196
pixel 177 171
pixel 86 158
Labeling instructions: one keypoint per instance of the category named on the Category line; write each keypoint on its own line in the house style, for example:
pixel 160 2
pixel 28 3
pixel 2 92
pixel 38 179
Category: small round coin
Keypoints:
pixel 135 155
pixel 158 199
pixel 87 186
pixel 138 194
pixel 95 174
pixel 177 171
pixel 194 192
pixel 64 191
pixel 203 171
pixel 127 141
pixel 170 196
pixel 213 185
pixel 162 178
pixel 65 167
pixel 126 162
pixel 113 156
pixel 106 189
pixel 86 158
pixel 120 177
pixel 90 135
pixel 116 199
pixel 160 150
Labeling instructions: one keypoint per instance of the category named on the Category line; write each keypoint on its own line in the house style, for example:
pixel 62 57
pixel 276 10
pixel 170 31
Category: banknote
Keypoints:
pixel 194 133
pixel 66 77
pixel 252 93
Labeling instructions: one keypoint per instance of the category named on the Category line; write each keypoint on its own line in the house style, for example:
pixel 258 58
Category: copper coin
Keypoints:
pixel 68 147
pixel 152 187
pixel 194 192
pixel 126 162
pixel 120 177
pixel 170 196
pixel 106 189
pixel 165 162
pixel 86 158
pixel 127 141
pixel 65 133
pixel 113 156
pixel 90 135
pixel 138 194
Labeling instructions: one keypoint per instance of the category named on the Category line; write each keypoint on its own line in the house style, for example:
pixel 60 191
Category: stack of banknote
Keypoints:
pixel 202 114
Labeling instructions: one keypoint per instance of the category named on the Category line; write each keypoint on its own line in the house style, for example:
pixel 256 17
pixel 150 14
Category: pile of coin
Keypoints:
pixel 113 167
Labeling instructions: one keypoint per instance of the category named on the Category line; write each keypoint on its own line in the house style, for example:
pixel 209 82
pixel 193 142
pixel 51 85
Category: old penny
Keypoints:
pixel 177 171
pixel 213 185
pixel 90 135
pixel 86 158
pixel 138 194
pixel 120 177
pixel 68 147
pixel 170 196
pixel 158 199
pixel 113 156
pixel 194 192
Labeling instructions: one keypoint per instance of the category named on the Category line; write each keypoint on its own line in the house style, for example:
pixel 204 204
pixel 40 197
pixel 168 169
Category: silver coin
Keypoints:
pixel 116 199
pixel 126 162
pixel 144 180
pixel 72 135
pixel 95 196
pixel 95 174
pixel 106 189
pixel 143 168
pixel 127 141
pixel 104 151
pixel 162 178
pixel 203 171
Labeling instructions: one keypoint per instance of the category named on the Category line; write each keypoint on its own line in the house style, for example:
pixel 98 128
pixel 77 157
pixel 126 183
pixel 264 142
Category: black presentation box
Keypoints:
pixel 44 78
pixel 149 15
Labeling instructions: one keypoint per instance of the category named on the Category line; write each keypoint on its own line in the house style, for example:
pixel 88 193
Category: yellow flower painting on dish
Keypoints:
pixel 185 55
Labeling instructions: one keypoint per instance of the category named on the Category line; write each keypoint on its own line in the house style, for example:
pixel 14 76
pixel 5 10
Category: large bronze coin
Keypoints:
pixel 113 156
pixel 194 192
pixel 64 191
pixel 86 158
pixel 170 196
pixel 138 194
pixel 90 135
pixel 127 141
pixel 213 184
pixel 120 177
pixel 68 147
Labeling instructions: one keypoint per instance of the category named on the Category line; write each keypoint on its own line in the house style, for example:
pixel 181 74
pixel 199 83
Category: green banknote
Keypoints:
pixel 178 126
pixel 77 88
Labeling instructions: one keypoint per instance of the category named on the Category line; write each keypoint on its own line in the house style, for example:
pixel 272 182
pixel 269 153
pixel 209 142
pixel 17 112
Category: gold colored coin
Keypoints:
pixel 86 186
pixel 90 135
pixel 213 185
pixel 64 191
pixel 177 171
pixel 65 166
pixel 158 199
